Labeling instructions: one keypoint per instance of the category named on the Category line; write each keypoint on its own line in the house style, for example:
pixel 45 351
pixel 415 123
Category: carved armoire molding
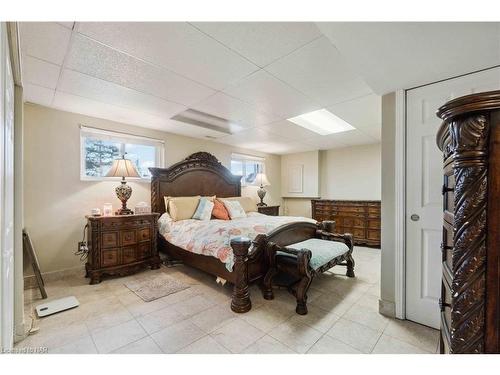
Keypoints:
pixel 469 310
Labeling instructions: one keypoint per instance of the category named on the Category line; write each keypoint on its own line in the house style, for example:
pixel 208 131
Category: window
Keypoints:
pixel 100 147
pixel 247 166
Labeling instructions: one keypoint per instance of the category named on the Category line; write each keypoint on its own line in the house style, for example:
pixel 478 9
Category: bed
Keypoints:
pixel 202 174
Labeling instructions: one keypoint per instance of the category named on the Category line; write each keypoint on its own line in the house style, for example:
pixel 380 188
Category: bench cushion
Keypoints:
pixel 322 251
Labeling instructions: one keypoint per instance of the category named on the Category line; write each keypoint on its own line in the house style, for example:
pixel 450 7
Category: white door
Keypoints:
pixel 424 180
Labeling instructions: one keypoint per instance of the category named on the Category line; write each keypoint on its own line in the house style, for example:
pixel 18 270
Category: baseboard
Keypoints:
pixel 30 280
pixel 387 308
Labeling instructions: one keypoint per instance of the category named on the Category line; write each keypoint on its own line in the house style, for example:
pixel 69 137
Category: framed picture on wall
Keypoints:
pixel 295 178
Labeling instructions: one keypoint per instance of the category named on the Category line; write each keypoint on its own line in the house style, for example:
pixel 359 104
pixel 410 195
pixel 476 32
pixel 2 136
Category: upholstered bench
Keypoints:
pixel 295 265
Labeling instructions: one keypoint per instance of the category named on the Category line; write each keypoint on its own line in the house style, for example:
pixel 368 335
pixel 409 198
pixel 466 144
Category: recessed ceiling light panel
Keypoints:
pixel 322 122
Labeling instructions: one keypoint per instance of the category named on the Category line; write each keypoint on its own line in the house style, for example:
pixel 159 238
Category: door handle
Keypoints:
pixel 415 217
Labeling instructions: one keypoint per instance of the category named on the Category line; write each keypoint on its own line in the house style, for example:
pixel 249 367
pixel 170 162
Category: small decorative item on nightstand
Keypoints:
pixel 121 245
pixel 123 168
pixel 269 210
pixel 261 180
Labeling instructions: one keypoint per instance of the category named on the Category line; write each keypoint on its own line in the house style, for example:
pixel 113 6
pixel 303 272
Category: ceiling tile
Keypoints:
pixel 88 107
pixel 271 95
pixel 350 138
pixel 401 55
pixel 288 128
pixel 107 92
pixel 319 71
pixel 46 40
pixel 261 42
pixel 37 94
pixel 174 45
pixel 39 72
pixel 95 59
pixel 233 109
pixel 68 25
pixel 374 131
pixel 361 113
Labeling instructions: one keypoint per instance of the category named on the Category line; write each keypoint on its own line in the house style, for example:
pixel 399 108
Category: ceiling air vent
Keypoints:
pixel 204 120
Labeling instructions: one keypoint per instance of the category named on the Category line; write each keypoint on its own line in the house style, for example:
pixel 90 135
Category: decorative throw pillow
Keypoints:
pixel 204 209
pixel 219 211
pixel 182 208
pixel 234 208
pixel 246 202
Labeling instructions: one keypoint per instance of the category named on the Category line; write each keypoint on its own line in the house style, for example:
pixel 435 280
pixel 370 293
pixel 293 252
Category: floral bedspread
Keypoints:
pixel 212 237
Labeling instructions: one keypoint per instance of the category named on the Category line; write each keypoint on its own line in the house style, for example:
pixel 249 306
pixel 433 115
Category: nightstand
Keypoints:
pixel 121 245
pixel 269 210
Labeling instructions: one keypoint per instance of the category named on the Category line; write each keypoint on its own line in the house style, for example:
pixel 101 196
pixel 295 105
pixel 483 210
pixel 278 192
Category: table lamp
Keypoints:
pixel 261 180
pixel 123 168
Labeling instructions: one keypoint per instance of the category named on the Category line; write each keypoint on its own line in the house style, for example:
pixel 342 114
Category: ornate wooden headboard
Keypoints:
pixel 199 174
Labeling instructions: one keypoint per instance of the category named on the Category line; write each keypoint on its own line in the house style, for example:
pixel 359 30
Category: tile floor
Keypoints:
pixel 343 318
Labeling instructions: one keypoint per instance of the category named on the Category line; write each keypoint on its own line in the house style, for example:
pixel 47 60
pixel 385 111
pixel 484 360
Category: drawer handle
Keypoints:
pixel 445 189
pixel 442 304
pixel 445 247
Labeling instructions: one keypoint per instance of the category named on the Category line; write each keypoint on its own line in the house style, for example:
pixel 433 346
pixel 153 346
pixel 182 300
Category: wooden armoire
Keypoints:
pixel 470 294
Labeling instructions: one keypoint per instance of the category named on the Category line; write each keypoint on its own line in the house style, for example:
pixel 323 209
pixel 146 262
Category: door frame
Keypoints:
pixel 400 206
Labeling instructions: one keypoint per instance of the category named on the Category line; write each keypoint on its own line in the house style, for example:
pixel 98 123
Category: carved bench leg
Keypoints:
pixel 267 285
pixel 350 266
pixel 302 289
pixel 303 259
pixel 240 302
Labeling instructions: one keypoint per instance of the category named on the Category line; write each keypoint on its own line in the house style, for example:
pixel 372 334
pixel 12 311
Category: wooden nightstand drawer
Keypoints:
pixel 110 257
pixel 110 239
pixel 129 255
pixel 144 234
pixel 128 237
pixel 144 250
pixel 269 210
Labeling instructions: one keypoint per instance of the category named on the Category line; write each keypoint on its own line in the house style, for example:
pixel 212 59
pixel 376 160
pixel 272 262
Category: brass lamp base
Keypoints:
pixel 123 192
pixel 261 193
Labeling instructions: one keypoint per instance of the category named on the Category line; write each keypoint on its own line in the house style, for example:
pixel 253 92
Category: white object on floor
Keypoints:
pixel 56 306
pixel 220 280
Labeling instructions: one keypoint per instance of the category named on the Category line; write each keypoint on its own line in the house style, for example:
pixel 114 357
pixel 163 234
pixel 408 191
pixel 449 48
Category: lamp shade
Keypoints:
pixel 261 180
pixel 122 168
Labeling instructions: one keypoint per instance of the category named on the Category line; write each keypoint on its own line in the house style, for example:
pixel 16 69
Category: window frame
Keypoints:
pixel 122 138
pixel 244 158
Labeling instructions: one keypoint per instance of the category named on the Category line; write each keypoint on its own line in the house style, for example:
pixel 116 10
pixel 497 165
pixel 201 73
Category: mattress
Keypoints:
pixel 213 237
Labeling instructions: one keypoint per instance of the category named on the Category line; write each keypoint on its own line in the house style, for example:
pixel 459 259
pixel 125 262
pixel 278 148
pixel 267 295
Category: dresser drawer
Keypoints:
pixel 144 234
pixel 446 303
pixel 118 223
pixel 373 234
pixel 354 222
pixel 110 257
pixel 109 239
pixel 129 254
pixel 128 237
pixel 144 250
pixel 344 209
pixel 373 224
pixel 447 245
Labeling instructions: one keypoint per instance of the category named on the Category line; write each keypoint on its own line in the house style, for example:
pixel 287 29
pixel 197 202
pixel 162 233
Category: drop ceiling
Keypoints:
pixel 254 75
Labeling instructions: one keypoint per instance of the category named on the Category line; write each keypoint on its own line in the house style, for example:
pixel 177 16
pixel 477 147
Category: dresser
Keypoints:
pixel 269 210
pixel 121 245
pixel 360 218
pixel 470 292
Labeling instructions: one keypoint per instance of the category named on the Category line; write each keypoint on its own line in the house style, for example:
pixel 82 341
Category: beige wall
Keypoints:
pixel 56 200
pixel 351 173
pixel 345 173
pixel 387 282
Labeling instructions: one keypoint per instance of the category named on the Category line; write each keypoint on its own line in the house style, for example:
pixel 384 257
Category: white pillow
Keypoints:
pixel 204 209
pixel 234 208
